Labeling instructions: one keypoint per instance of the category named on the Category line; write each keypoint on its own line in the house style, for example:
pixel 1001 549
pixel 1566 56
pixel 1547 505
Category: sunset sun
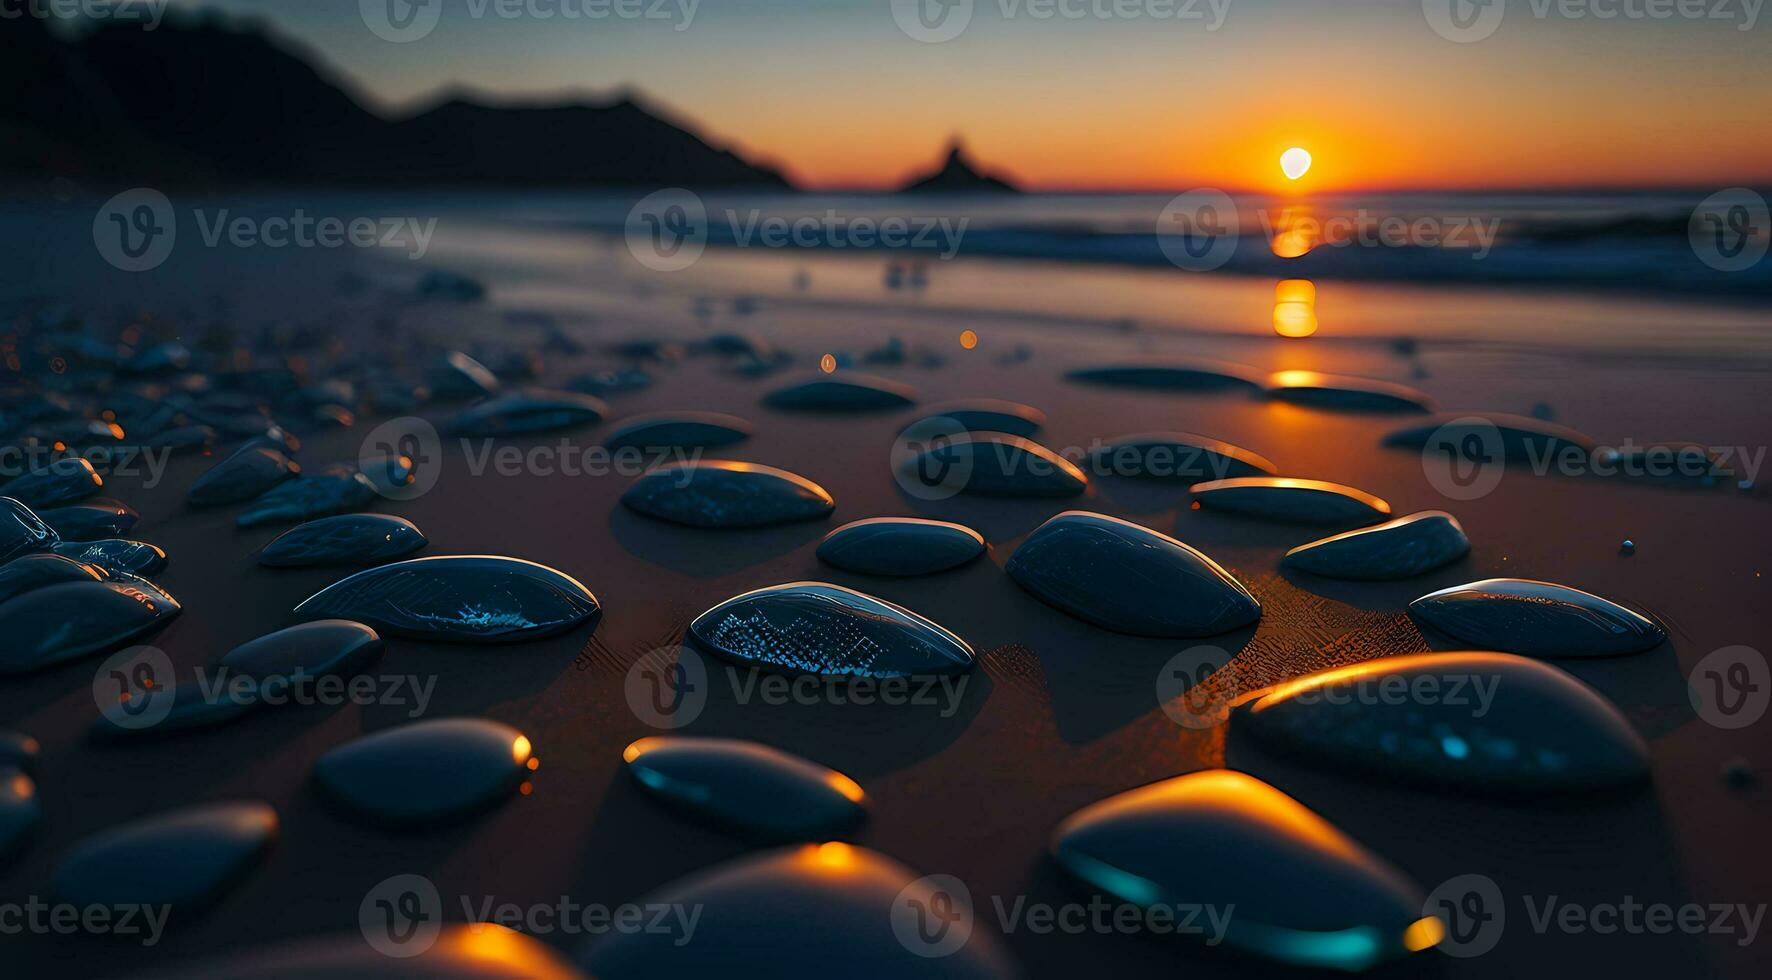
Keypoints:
pixel 1295 162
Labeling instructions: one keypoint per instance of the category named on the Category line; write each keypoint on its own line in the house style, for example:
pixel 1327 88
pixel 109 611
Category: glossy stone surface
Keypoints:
pixel 1517 438
pixel 1335 391
pixel 529 410
pixel 1540 619
pixel 747 785
pixel 426 773
pixel 58 623
pixel 192 708
pixel 984 415
pixel 347 539
pixel 245 475
pixel 1405 547
pixel 458 377
pixel 323 648
pixel 335 489
pixel 1489 721
pixel 459 598
pixel 994 464
pixel 818 628
pixel 116 555
pixel 1128 578
pixel 900 546
pixel 22 531
pixel 1291 500
pixel 184 858
pixel 20 810
pixel 92 520
pixel 1303 892
pixel 813 910
pixel 1177 375
pixel 458 952
pixel 679 430
pixel 61 482
pixel 1176 456
pixel 727 494
pixel 842 393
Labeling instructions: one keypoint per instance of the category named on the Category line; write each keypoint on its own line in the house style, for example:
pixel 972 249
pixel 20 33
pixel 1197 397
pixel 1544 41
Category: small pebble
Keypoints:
pixel 1739 772
pixel 1628 548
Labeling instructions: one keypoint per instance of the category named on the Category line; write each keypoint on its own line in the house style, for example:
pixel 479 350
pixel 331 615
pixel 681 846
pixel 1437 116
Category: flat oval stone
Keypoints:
pixel 994 464
pixel 813 910
pixel 347 539
pixel 22 531
pixel 842 393
pixel 20 812
pixel 1515 437
pixel 184 858
pixel 726 494
pixel 244 476
pixel 184 439
pixel 1539 619
pixel 1291 500
pixel 983 415
pixel 192 708
pixel 601 383
pixel 459 598
pixel 1177 456
pixel 1301 891
pixel 59 623
pixel 93 520
pixel 335 489
pixel 458 377
pixel 426 773
pixel 1462 720
pixel 818 628
pixel 1128 578
pixel 1170 374
pixel 900 546
pixel 482 951
pixel 1405 547
pixel 62 482
pixel 323 648
pixel 529 410
pixel 1335 391
pixel 116 555
pixel 747 785
pixel 679 430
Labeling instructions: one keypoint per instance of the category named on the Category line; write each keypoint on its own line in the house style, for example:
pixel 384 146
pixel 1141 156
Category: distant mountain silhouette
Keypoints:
pixel 200 102
pixel 957 174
